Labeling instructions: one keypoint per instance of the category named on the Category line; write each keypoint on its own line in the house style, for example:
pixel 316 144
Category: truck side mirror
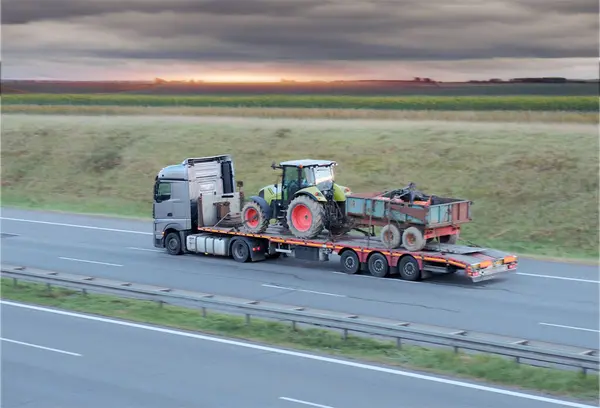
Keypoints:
pixel 273 166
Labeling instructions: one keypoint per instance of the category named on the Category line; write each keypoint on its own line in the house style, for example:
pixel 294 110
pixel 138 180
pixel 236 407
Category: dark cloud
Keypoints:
pixel 27 11
pixel 297 30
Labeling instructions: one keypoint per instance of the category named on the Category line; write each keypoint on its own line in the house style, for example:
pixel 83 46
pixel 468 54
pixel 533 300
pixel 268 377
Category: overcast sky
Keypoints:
pixel 301 39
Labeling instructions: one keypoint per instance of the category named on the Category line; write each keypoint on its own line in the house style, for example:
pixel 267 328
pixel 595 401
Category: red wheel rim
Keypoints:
pixel 252 218
pixel 301 217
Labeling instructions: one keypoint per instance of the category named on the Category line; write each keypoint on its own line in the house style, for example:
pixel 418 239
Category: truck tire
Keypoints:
pixel 408 268
pixel 254 218
pixel 413 240
pixel 378 265
pixel 173 244
pixel 240 251
pixel 391 236
pixel 305 217
pixel 350 262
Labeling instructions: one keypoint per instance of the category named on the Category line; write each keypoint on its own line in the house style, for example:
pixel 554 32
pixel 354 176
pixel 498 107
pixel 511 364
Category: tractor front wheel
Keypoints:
pixel 254 218
pixel 305 217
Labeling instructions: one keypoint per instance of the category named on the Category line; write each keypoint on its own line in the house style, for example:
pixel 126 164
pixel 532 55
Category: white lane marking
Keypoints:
pixel 557 277
pixel 77 226
pixel 375 277
pixel 570 327
pixel 22 343
pixel 304 355
pixel 145 249
pixel 266 285
pixel 312 404
pixel 87 261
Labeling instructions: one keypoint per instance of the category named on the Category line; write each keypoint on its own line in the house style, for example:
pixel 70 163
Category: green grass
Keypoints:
pixel 446 103
pixel 535 186
pixel 484 367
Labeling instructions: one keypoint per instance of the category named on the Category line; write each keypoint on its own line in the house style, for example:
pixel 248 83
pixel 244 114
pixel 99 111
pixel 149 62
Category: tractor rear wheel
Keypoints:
pixel 305 217
pixel 254 218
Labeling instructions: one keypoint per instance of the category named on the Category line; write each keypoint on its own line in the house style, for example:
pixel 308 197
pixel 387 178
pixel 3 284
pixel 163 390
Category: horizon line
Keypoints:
pixel 158 80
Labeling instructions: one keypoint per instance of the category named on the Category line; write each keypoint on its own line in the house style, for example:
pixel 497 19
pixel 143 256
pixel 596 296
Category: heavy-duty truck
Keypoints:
pixel 199 208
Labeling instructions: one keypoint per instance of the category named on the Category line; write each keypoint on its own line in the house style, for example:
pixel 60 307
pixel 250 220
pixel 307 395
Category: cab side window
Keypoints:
pixel 163 191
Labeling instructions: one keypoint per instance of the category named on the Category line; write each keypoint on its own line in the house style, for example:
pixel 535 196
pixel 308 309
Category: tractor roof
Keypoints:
pixel 307 163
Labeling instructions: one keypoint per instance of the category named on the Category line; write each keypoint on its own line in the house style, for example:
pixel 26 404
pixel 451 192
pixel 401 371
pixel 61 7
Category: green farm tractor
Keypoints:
pixel 307 201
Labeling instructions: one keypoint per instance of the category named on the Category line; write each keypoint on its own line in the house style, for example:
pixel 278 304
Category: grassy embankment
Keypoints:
pixel 535 186
pixel 583 109
pixel 483 367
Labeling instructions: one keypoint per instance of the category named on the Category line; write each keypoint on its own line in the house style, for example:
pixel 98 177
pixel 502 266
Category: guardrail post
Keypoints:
pixel 84 292
pixel 294 325
pixel 160 304
pixel 48 287
pixel 345 334
pixel 247 319
pixel 399 342
pixel 584 371
pixel 15 282
pixel 203 311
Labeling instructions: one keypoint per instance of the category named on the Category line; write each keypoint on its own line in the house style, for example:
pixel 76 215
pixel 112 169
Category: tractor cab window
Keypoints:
pixel 323 177
pixel 307 177
pixel 290 182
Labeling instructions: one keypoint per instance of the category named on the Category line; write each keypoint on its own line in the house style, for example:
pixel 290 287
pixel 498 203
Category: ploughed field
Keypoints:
pixel 535 185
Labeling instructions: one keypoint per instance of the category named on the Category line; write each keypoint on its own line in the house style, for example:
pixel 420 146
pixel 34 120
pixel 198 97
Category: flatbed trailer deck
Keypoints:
pixel 356 253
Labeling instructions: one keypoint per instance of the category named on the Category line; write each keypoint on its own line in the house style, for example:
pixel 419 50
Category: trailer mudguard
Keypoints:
pixel 258 255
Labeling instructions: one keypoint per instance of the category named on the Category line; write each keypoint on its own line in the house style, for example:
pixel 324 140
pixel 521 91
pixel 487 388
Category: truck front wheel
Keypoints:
pixel 173 244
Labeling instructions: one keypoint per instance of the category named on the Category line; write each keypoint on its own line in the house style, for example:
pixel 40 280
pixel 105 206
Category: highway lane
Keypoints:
pixel 552 302
pixel 52 360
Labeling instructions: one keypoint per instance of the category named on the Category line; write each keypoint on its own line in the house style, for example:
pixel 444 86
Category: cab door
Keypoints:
pixel 162 206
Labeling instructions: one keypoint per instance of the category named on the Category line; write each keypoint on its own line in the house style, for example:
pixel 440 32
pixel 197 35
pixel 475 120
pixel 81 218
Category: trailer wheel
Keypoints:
pixel 408 268
pixel 378 265
pixel 350 262
pixel 173 244
pixel 413 240
pixel 391 236
pixel 240 251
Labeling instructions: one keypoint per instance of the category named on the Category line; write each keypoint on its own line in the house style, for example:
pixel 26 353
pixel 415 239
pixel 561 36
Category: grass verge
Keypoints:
pixel 530 182
pixel 314 113
pixel 482 367
pixel 449 103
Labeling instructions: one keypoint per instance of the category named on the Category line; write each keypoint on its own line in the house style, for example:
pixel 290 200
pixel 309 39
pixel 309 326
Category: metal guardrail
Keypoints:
pixel 520 349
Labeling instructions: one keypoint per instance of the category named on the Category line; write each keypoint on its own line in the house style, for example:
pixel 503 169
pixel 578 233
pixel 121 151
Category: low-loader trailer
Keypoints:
pixel 197 210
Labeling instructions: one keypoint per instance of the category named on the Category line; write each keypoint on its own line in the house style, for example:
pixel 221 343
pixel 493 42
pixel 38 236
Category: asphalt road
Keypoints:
pixel 54 360
pixel 543 301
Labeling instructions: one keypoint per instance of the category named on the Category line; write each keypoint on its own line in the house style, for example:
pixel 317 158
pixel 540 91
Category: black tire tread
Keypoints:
pixel 264 221
pixel 318 215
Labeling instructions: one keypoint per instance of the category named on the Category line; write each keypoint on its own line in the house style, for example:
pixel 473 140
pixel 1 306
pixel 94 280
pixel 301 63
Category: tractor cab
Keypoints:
pixel 302 174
